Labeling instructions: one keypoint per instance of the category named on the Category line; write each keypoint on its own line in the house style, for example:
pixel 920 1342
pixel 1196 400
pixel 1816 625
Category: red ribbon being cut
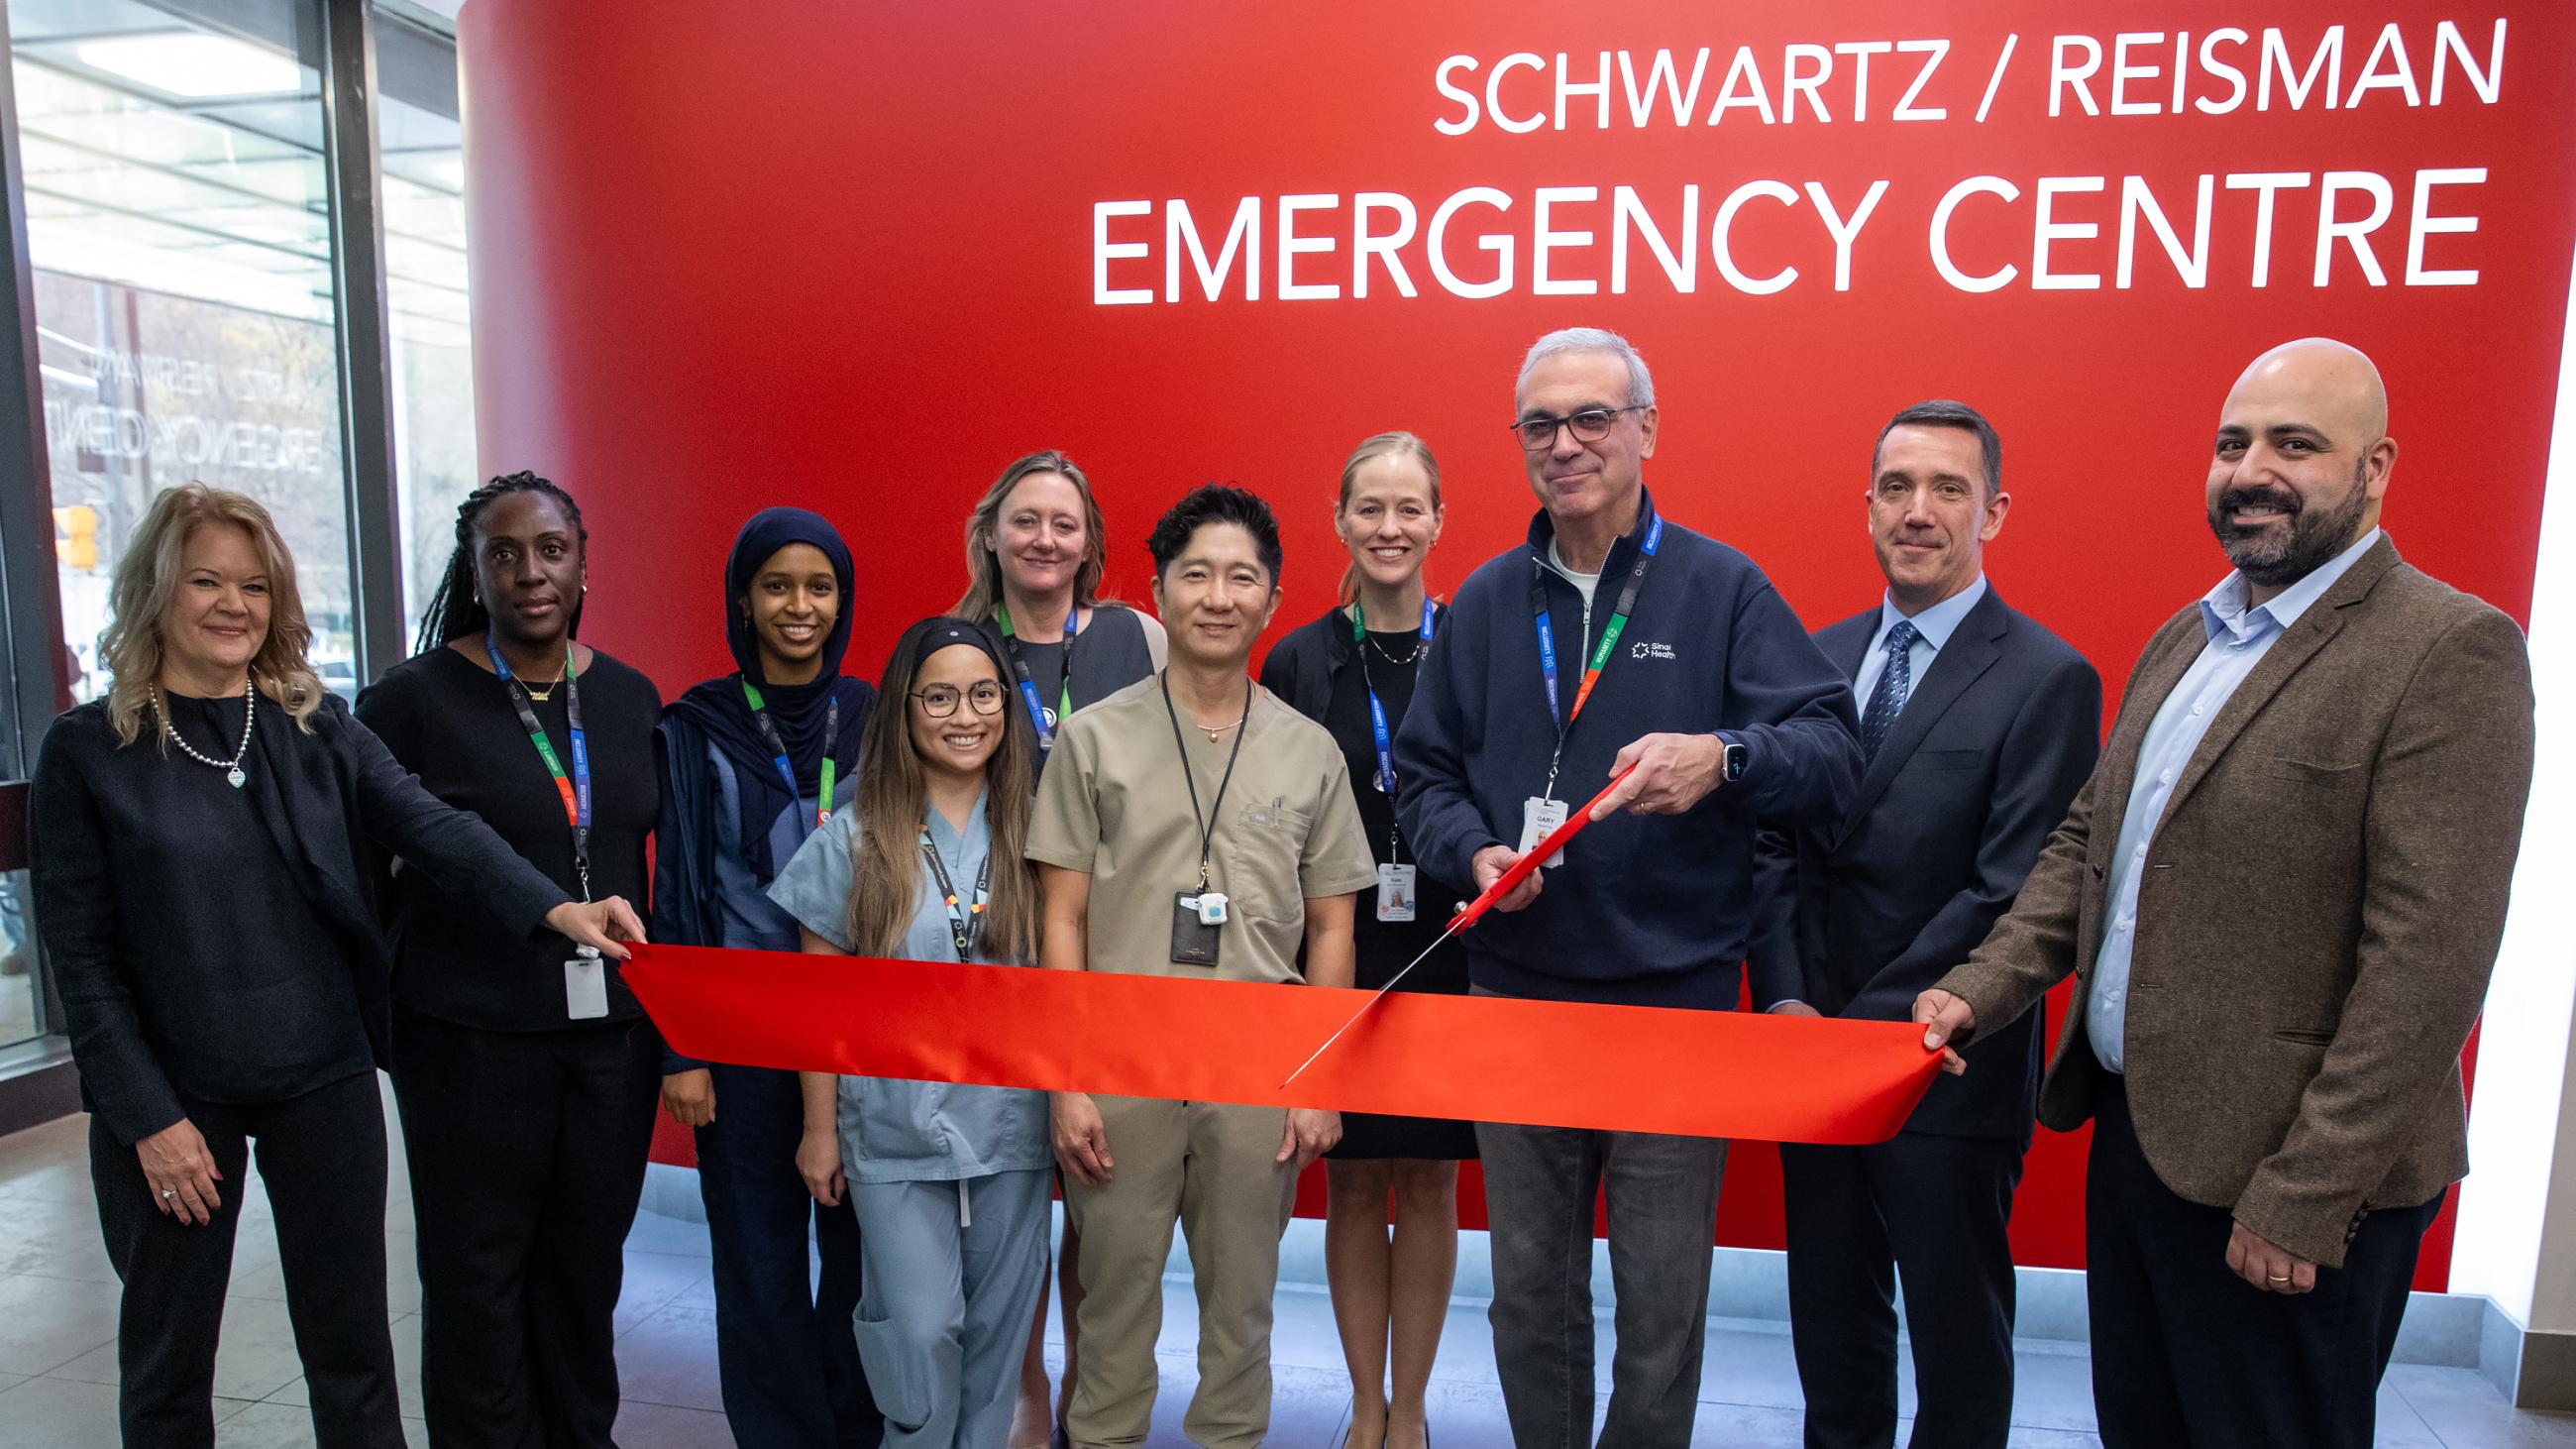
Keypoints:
pixel 1475 1058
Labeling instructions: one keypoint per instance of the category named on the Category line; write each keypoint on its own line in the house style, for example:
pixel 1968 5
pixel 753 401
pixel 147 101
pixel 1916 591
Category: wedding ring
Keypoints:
pixel 2278 1277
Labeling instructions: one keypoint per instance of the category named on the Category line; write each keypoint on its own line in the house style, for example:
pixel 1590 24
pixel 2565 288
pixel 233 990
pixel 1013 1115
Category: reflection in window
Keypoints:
pixel 177 221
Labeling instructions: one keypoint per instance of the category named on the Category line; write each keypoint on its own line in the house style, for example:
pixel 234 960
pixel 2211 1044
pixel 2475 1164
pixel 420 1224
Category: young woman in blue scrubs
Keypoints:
pixel 751 762
pixel 950 1182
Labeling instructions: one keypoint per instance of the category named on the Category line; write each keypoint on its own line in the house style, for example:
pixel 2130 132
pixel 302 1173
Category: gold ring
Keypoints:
pixel 2278 1277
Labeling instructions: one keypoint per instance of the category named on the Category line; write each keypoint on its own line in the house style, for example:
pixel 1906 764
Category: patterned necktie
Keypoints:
pixel 1895 682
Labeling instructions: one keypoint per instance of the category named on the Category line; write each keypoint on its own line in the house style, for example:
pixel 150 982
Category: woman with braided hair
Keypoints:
pixel 526 1071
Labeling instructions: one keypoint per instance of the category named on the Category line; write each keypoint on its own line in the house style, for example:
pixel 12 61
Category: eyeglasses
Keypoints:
pixel 939 701
pixel 1588 426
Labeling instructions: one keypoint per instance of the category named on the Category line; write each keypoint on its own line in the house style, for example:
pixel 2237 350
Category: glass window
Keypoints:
pixel 177 223
pixel 422 154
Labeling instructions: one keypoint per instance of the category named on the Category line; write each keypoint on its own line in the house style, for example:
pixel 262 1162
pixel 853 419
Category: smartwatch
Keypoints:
pixel 1736 757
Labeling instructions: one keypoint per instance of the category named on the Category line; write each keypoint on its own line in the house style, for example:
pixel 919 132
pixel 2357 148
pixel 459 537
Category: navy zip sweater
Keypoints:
pixel 1648 910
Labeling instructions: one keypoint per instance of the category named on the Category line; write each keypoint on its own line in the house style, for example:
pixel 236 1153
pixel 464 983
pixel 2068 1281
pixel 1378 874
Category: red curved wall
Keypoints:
pixel 841 255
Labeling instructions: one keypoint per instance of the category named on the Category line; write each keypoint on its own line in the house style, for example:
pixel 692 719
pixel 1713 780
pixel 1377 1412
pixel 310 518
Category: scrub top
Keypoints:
pixel 903 1131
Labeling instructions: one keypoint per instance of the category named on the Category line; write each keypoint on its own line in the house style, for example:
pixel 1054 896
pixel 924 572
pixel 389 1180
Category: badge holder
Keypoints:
pixel 586 985
pixel 1198 923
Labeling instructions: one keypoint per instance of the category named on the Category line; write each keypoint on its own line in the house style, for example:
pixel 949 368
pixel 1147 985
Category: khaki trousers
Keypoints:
pixel 1213 1167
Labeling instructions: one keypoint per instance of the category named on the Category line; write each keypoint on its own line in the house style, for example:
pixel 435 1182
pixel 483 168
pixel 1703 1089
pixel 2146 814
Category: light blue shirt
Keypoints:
pixel 1932 629
pixel 2239 636
pixel 744 912
pixel 902 1131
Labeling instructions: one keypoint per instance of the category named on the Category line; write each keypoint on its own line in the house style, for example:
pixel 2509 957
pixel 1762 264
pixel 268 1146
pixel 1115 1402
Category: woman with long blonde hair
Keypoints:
pixel 1391 1221
pixel 950 1183
pixel 199 833
pixel 1036 552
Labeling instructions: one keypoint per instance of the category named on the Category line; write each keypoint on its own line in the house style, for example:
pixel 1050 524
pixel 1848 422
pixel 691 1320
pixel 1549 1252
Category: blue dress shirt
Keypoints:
pixel 1932 629
pixel 2239 636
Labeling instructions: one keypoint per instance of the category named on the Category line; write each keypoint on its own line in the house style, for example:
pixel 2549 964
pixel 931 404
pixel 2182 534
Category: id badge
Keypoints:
pixel 1198 922
pixel 586 986
pixel 1539 820
pixel 1395 892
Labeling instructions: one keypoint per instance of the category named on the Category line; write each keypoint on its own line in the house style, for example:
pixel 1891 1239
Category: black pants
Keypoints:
pixel 2186 1355
pixel 785 1349
pixel 322 1156
pixel 527 1159
pixel 1928 1209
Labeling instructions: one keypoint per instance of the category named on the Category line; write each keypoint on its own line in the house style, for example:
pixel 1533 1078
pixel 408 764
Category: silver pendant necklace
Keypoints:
pixel 232 768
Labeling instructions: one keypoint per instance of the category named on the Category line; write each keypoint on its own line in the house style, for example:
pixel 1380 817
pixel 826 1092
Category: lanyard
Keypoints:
pixel 574 789
pixel 1600 655
pixel 966 925
pixel 1207 821
pixel 778 748
pixel 1377 711
pixel 1029 686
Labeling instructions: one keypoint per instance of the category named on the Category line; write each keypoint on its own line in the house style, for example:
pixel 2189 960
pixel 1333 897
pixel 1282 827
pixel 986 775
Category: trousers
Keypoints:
pixel 322 1156
pixel 527 1160
pixel 2186 1355
pixel 786 1357
pixel 953 1271
pixel 1214 1168
pixel 1540 1185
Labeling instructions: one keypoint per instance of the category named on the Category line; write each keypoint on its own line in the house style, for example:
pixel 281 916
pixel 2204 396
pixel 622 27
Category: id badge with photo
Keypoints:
pixel 1539 820
pixel 586 986
pixel 1395 892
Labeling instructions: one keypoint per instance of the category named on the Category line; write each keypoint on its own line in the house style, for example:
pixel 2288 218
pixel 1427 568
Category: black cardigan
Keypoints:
pixel 131 953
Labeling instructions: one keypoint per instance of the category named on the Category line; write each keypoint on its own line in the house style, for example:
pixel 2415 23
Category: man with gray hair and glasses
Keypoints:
pixel 1613 640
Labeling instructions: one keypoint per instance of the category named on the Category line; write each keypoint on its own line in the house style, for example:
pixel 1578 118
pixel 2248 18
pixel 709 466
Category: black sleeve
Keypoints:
pixel 1279 674
pixel 455 849
pixel 1792 710
pixel 671 862
pixel 2047 755
pixel 76 911
pixel 1773 967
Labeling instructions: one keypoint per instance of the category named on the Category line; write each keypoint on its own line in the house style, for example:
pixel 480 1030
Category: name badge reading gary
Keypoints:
pixel 1198 920
pixel 586 985
pixel 1539 820
pixel 1395 892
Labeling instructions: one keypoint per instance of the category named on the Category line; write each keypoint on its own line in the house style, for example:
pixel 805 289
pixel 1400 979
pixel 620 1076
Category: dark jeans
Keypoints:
pixel 1540 1183
pixel 527 1159
pixel 786 1352
pixel 2186 1355
pixel 322 1156
pixel 1932 1210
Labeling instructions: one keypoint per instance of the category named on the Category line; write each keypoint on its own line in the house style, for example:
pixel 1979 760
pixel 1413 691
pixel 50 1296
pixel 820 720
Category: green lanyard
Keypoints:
pixel 778 748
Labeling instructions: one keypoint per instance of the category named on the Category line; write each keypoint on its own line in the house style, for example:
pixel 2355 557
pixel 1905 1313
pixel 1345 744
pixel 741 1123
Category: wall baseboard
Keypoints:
pixel 1751 1287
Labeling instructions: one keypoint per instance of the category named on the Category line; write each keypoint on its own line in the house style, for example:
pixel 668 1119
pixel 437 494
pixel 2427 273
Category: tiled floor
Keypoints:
pixel 58 1361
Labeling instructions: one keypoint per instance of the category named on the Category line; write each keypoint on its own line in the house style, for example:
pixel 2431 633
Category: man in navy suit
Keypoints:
pixel 1978 727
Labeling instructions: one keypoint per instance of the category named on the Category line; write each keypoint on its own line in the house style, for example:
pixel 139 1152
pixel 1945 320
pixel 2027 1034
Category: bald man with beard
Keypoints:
pixel 2280 894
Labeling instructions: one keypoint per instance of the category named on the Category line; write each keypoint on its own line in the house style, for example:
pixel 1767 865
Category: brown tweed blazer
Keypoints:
pixel 2320 913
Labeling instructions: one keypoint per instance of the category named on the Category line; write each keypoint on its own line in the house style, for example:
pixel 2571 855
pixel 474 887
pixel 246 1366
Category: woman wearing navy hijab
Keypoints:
pixel 753 762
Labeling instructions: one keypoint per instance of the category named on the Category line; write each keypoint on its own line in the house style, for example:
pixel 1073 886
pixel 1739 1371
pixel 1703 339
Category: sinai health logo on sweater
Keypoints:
pixel 1651 649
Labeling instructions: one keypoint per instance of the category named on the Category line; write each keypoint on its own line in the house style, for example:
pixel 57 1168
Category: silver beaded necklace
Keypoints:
pixel 232 768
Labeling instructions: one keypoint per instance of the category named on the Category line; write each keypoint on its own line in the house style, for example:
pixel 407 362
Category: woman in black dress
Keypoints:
pixel 1346 670
pixel 198 876
pixel 526 1072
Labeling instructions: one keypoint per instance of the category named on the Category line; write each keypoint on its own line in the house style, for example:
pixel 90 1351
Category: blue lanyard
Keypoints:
pixel 1609 636
pixel 1377 711
pixel 576 790
pixel 1029 686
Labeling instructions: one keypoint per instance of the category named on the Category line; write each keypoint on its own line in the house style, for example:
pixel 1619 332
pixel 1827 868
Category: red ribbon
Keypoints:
pixel 1475 1058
